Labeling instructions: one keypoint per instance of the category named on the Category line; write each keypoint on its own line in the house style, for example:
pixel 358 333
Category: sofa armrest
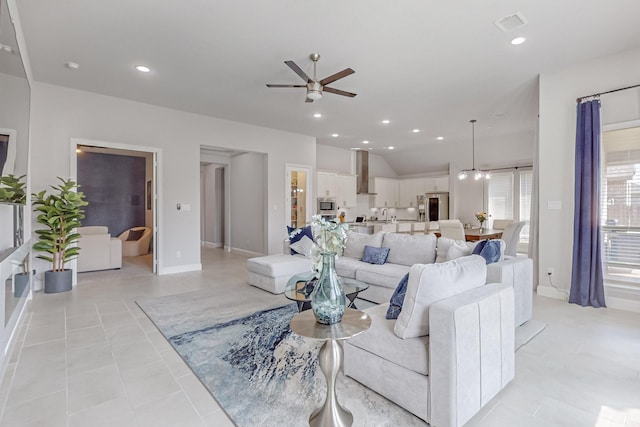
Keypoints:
pixel 517 272
pixel 471 352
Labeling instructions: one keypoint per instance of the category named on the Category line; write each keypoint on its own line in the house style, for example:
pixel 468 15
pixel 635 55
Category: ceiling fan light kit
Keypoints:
pixel 477 174
pixel 314 86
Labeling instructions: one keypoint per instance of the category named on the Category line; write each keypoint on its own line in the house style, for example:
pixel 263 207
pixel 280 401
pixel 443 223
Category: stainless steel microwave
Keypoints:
pixel 327 205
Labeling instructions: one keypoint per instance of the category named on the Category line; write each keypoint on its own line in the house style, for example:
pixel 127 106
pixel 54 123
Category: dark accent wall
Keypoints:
pixel 114 186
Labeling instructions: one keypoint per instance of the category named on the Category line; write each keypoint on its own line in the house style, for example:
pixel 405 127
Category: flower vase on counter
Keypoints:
pixel 327 299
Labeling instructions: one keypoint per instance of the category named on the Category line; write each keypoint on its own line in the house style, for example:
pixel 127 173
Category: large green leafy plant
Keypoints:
pixel 12 189
pixel 60 213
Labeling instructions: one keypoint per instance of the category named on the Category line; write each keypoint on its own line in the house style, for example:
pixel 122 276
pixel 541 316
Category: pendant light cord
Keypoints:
pixel 473 144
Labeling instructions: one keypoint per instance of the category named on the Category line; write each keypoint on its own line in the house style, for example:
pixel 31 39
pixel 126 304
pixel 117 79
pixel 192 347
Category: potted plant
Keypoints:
pixel 12 189
pixel 60 214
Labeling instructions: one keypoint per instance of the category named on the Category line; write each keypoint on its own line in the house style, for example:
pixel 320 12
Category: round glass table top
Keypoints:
pixel 296 287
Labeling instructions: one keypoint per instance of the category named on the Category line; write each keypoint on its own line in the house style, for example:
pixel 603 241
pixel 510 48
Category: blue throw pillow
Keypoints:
pixel 397 299
pixel 491 251
pixel 479 247
pixel 304 231
pixel 374 255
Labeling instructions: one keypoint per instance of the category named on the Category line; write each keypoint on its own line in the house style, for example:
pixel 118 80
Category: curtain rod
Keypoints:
pixel 603 93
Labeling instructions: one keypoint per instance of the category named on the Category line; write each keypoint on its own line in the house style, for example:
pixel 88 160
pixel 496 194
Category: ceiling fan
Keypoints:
pixel 315 87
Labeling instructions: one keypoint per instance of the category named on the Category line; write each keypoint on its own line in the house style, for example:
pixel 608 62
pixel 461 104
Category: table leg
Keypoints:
pixel 331 413
pixel 352 300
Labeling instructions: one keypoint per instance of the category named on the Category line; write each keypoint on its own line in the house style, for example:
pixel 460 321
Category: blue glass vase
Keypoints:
pixel 327 299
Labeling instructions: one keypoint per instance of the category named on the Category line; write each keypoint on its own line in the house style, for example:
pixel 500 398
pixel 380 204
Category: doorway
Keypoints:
pixel 212 205
pixel 298 199
pixel 120 183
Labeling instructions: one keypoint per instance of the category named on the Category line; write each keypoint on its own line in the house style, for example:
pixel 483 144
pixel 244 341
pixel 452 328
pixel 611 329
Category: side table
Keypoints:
pixel 353 323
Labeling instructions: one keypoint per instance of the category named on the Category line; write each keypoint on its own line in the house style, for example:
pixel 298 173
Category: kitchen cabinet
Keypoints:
pixel 437 184
pixel 386 190
pixel 326 184
pixel 409 189
pixel 346 191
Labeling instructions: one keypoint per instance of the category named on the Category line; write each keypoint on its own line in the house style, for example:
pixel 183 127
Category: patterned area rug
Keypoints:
pixel 262 375
pixel 258 371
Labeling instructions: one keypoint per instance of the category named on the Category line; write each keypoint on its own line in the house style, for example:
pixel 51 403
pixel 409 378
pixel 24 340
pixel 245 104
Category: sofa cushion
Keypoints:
pixel 429 283
pixel 397 299
pixel 355 243
pixel 380 340
pixel 387 275
pixel 375 255
pixel 346 267
pixel 406 249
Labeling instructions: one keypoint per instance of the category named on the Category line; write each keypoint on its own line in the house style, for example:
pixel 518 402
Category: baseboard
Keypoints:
pixel 612 302
pixel 245 252
pixel 548 291
pixel 212 245
pixel 179 269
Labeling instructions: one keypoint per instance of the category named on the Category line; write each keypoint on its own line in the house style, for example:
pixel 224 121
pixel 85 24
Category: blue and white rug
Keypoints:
pixel 257 370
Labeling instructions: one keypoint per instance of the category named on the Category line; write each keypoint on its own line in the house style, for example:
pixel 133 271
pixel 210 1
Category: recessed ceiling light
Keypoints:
pixel 415 130
pixel 365 142
pixel 317 115
pixel 143 69
pixel 440 138
pixel 500 115
pixel 72 65
pixel 392 147
pixel 335 135
pixel 518 40
pixel 370 148
pixel 386 122
pixel 355 148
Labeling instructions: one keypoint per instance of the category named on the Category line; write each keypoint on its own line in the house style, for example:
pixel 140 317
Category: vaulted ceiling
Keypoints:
pixel 421 64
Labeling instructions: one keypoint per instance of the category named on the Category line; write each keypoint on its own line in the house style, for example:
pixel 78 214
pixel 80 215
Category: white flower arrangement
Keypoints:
pixel 329 236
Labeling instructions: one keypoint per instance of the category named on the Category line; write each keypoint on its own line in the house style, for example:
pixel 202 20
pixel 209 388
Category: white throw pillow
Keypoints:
pixel 459 249
pixel 303 246
pixel 429 283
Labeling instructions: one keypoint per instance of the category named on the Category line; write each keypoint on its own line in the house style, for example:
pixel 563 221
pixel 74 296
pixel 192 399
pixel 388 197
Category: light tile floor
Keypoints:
pixel 90 357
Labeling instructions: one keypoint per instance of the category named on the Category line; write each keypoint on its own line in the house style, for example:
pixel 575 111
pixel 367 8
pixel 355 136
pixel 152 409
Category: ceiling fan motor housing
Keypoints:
pixel 314 90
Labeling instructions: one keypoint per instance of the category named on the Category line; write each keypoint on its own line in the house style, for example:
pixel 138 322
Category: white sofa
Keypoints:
pixel 407 250
pixel 467 357
pixel 98 250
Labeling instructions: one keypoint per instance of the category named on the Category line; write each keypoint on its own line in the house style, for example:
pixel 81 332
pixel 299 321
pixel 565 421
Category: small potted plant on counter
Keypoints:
pixel 60 214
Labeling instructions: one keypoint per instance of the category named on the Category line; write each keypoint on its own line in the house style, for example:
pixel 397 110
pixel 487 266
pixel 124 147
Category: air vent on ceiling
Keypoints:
pixel 511 22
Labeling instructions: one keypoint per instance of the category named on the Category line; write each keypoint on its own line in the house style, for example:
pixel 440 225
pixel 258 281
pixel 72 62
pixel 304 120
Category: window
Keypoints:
pixel 620 205
pixel 509 197
pixel 500 195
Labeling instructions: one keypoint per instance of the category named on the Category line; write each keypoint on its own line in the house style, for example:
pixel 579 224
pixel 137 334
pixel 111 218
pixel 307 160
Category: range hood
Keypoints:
pixel 362 169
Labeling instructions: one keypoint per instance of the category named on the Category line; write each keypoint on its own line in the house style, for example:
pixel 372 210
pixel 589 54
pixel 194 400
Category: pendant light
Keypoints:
pixel 476 174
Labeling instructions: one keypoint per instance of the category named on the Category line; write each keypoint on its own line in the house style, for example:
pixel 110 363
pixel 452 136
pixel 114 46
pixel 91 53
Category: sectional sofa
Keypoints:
pixel 407 250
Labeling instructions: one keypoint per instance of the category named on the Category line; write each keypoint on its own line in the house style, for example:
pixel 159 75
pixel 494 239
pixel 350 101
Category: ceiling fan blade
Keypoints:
pixel 339 92
pixel 344 73
pixel 308 100
pixel 272 85
pixel 298 71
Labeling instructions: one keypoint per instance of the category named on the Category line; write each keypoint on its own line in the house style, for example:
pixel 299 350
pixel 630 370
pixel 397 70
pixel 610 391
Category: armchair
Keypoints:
pixel 135 243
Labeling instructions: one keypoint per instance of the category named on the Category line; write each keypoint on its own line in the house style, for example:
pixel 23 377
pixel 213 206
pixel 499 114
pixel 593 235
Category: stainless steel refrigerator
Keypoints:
pixel 433 206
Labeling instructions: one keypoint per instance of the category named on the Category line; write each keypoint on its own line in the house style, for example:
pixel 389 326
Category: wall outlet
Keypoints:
pixel 550 271
pixel 178 254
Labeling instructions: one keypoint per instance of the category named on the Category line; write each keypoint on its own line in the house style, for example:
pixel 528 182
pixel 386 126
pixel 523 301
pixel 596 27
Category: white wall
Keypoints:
pixel 335 159
pixel 558 93
pixel 59 114
pixel 248 202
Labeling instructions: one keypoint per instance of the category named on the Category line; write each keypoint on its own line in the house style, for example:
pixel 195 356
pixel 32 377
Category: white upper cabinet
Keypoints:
pixel 438 184
pixel 326 184
pixel 409 190
pixel 346 191
pixel 387 192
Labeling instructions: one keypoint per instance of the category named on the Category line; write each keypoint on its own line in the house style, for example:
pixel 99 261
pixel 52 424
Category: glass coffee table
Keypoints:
pixel 296 290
